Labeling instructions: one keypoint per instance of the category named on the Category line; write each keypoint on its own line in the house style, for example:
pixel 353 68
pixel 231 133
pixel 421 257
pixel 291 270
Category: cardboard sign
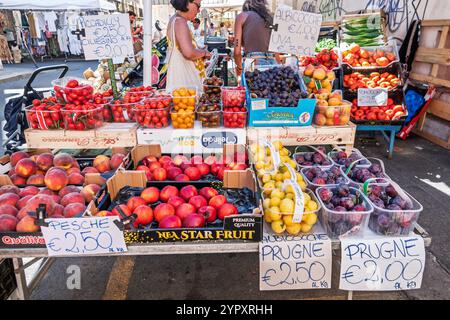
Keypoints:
pixel 106 37
pixel 83 236
pixel 385 264
pixel 295 262
pixel 295 32
pixel 372 97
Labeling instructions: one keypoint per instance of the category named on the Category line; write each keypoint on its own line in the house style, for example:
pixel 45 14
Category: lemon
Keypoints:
pixel 266 203
pixel 275 201
pixel 305 227
pixel 279 184
pixel 294 229
pixel 274 216
pixel 277 193
pixel 311 206
pixel 311 218
pixel 278 226
pixel 289 188
pixel 287 206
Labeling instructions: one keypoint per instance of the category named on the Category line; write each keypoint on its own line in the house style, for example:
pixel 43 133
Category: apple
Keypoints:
pixel 203 168
pixel 175 201
pixel 148 159
pixel 184 210
pixel 227 209
pixel 193 173
pixel 209 213
pixel 160 174
pixel 167 192
pixel 170 222
pixel 198 201
pixel 179 159
pixel 217 201
pixel 194 220
pixel 173 172
pixel 163 210
pixel 208 192
pixel 150 194
pixel 188 192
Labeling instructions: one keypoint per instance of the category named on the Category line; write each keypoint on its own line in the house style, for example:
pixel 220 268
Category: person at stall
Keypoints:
pixel 136 31
pixel 185 62
pixel 252 30
pixel 223 31
pixel 211 30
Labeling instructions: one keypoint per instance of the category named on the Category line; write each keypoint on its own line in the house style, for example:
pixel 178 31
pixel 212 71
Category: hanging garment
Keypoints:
pixel 63 40
pixel 50 18
pixel 39 17
pixel 33 30
pixel 5 53
pixel 17 18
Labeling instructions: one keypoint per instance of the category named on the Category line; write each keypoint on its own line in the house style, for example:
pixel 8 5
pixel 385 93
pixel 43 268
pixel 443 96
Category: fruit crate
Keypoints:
pixel 7 278
pixel 391 47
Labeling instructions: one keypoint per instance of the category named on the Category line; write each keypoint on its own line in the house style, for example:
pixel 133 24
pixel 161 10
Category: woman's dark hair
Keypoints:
pixel 157 26
pixel 260 7
pixel 131 13
pixel 181 5
pixel 197 20
pixel 222 24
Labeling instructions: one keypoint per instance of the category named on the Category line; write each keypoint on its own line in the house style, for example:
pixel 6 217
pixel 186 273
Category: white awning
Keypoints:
pixel 56 5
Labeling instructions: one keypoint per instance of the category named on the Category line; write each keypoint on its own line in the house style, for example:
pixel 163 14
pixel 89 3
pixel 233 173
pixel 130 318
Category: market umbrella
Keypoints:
pixel 56 5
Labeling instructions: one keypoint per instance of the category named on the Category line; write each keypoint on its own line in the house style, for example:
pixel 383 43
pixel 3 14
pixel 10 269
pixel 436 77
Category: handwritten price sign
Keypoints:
pixel 292 263
pixel 382 265
pixel 372 97
pixel 83 236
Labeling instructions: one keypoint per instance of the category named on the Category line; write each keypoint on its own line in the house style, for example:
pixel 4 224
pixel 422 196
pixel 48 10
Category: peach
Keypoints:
pixel 12 172
pixel 116 160
pixel 135 202
pixel 170 222
pixel 56 198
pixel 173 172
pixel 198 202
pixel 188 192
pixel 182 177
pixel 309 70
pixel 160 174
pixel 8 222
pixel 63 160
pixel 197 159
pixel 144 216
pixel 8 209
pixel 67 190
pixel 89 170
pixel 90 191
pixel 47 191
pixel 102 163
pixel 73 197
pixel 104 213
pixel 154 165
pixel 73 170
pixel 203 168
pixel 167 192
pixel 30 190
pixel 76 178
pixel 210 160
pixel 150 195
pixel 55 179
pixel 148 159
pixel 179 159
pixel 35 201
pixel 9 198
pixel 36 179
pixel 319 74
pixel 44 161
pixel 59 211
pixel 124 208
pixel 25 168
pixel 9 189
pixel 320 119
pixel 175 201
pixel 163 210
pixel 17 156
pixel 184 210
pixel 26 224
pixel 22 203
pixel 74 209
pixel 22 213
pixel 208 192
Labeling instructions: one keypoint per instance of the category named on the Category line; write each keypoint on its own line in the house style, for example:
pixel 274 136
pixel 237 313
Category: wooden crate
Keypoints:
pixel 438 58
pixel 109 136
pixel 311 135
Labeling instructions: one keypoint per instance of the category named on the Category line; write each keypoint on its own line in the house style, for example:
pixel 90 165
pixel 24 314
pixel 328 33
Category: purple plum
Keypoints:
pixel 340 209
pixel 393 207
pixel 335 200
pixel 319 181
pixel 383 220
pixel 390 191
pixel 326 163
pixel 376 190
pixel 329 206
pixel 309 175
pixel 335 170
pixel 343 190
pixel 375 168
pixel 340 180
pixel 355 219
pixel 359 207
pixel 378 203
pixel 398 201
pixel 347 203
pixel 325 195
pixel 299 158
pixel 341 155
pixel 318 158
pixel 308 156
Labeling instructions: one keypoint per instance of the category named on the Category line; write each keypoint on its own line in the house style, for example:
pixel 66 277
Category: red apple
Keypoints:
pixel 209 213
pixel 185 165
pixel 163 210
pixel 144 216
pixel 150 195
pixel 196 160
pixel 167 192
pixel 188 192
pixel 184 210
pixel 160 174
pixel 215 168
pixel 170 222
pixel 148 159
pixel 173 172
pixel 135 202
pixel 182 177
pixel 210 160
pixel 153 166
pixel 208 192
pixel 194 220
pixel 179 159
pixel 217 201
pixel 227 209
pixel 198 202
pixel 203 168
pixel 164 159
pixel 175 201
pixel 193 173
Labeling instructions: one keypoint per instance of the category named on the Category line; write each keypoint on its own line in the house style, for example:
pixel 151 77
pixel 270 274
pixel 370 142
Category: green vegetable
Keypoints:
pixel 325 43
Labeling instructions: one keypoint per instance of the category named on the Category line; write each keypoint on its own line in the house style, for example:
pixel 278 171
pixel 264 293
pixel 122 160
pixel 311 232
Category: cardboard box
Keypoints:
pixel 196 140
pixel 108 136
pixel 244 227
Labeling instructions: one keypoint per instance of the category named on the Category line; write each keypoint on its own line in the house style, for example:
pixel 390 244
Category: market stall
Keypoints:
pixel 268 167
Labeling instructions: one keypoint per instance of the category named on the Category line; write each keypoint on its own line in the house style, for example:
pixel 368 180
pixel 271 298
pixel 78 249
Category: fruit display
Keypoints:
pixel 279 85
pixel 73 91
pixel 233 97
pixel 279 207
pixel 326 57
pixel 267 182
pixel 331 109
pixel 234 117
pixel 310 159
pixel 184 100
pixel 341 159
pixel 45 114
pixel 363 30
pixel 141 91
pixel 56 171
pixel 173 207
pixel 389 112
pixel 356 56
pixel 181 168
pixel 316 177
pixel 395 212
pixel 345 210
pixel 82 117
pixel 122 109
pixel 18 206
pixel 210 115
pixel 212 89
pixel 153 112
pixel 359 176
pixel 318 79
pixel 357 80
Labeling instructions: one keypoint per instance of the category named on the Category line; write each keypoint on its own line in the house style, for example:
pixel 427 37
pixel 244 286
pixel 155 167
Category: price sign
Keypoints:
pixel 292 172
pixel 107 36
pixel 299 200
pixel 372 97
pixel 83 236
pixel 295 32
pixel 385 264
pixel 295 262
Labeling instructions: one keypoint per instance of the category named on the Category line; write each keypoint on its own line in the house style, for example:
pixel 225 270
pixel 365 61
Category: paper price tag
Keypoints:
pixel 292 172
pixel 387 264
pixel 372 97
pixel 299 200
pixel 83 236
pixel 276 160
pixel 259 104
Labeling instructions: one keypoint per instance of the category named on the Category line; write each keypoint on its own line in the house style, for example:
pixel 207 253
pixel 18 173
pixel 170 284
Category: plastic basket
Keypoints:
pixel 210 119
pixel 360 185
pixel 314 186
pixel 356 154
pixel 296 156
pixel 81 93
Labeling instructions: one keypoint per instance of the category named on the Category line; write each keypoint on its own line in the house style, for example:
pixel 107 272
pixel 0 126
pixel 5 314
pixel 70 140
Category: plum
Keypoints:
pixel 355 219
pixel 373 197
pixel 375 168
pixel 326 163
pixel 329 206
pixel 376 190
pixel 390 191
pixel 343 190
pixel 378 203
pixel 347 203
pixel 393 207
pixel 325 195
pixel 307 164
pixel 318 158
pixel 383 220
pixel 299 158
pixel 340 180
pixel 308 156
pixel 341 227
pixel 359 207
pixel 398 201
pixel 309 175
pixel 335 170
pixel 340 209
pixel 335 200
pixel 354 198
pixel 393 228
pixel 319 181
pixel 341 155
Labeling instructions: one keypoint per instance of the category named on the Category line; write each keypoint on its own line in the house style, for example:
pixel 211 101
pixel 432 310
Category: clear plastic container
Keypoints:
pixel 326 163
pixel 234 119
pixel 123 112
pixel 233 97
pixel 105 103
pixel 185 98
pixel 209 119
pixel 151 118
pixel 82 119
pixel 73 90
pixel 344 161
pixel 182 119
pixel 44 119
pixel 213 92
pixel 333 115
pixel 313 186
pixel 394 222
pixel 359 184
pixel 345 223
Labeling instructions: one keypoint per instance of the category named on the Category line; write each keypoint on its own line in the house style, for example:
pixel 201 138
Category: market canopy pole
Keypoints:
pixel 147 42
